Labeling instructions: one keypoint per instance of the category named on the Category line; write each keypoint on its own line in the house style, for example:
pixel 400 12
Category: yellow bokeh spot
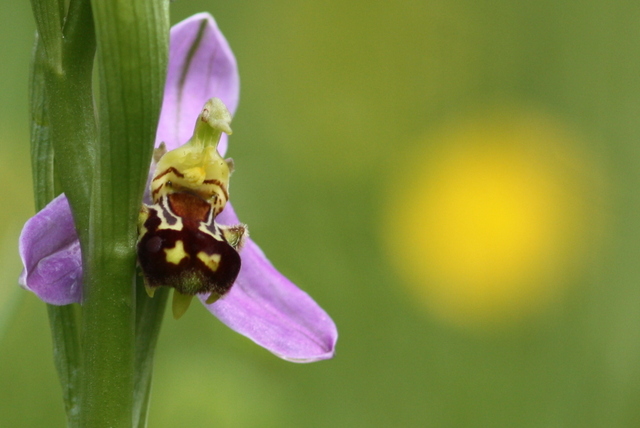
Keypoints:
pixel 490 223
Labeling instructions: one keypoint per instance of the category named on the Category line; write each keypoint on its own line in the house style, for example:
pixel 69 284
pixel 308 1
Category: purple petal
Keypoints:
pixel 270 310
pixel 201 66
pixel 50 253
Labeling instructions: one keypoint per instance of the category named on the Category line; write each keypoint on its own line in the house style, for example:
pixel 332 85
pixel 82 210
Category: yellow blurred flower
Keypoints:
pixel 491 222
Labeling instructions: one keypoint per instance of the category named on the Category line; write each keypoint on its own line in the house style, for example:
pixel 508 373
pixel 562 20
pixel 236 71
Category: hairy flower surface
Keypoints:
pixel 262 304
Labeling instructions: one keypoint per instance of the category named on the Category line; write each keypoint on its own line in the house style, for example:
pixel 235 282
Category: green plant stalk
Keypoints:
pixel 149 313
pixel 132 47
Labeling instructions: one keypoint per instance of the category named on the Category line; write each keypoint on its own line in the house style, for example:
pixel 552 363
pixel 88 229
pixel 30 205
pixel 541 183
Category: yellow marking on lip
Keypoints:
pixel 176 254
pixel 211 261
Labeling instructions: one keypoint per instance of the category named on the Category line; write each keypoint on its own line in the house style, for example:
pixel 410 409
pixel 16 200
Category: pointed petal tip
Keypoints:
pixel 310 359
pixel 181 303
pixel 22 279
pixel 326 351
pixel 287 337
pixel 151 291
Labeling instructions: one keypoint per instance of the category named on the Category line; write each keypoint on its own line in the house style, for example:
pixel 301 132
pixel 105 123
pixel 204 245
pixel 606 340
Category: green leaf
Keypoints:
pixel 41 146
pixel 67 357
pixel 65 116
pixel 48 15
pixel 70 109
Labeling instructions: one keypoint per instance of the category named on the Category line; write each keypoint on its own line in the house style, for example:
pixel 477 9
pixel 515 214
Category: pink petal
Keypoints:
pixel 270 310
pixel 50 253
pixel 201 66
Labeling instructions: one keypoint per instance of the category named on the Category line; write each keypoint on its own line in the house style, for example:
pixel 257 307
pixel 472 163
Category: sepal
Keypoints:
pixel 50 252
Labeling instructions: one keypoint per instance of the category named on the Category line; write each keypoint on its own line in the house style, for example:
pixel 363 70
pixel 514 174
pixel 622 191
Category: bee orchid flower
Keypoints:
pixel 262 304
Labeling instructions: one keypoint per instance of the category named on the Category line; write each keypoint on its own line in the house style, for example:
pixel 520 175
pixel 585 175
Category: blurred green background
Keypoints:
pixel 455 182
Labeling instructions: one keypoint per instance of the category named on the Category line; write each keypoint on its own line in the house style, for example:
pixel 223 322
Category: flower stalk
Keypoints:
pixel 132 51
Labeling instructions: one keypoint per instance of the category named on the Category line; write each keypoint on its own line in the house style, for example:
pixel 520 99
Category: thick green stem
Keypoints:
pixel 132 41
pixel 108 337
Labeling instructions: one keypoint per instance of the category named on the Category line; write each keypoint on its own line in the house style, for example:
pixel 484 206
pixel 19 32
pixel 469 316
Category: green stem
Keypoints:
pixel 132 42
pixel 108 337
pixel 61 113
pixel 149 314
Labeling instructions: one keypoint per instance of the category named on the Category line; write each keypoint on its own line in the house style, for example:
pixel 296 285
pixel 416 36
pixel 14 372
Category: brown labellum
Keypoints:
pixel 181 246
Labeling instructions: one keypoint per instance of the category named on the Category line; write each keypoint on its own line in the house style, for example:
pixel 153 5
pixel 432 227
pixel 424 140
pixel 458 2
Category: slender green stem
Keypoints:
pixel 149 314
pixel 61 113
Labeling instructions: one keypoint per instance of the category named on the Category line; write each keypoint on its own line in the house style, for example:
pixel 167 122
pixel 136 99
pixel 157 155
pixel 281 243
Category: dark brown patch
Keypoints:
pixel 191 276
